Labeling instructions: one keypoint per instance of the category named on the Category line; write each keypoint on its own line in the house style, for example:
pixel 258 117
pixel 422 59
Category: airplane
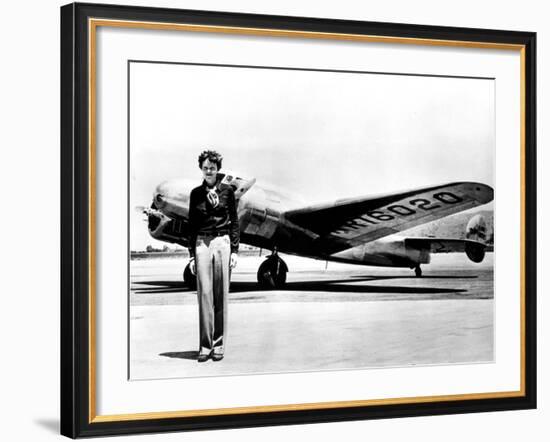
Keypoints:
pixel 360 230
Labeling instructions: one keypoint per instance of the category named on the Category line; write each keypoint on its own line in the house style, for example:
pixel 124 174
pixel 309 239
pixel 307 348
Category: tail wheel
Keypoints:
pixel 418 271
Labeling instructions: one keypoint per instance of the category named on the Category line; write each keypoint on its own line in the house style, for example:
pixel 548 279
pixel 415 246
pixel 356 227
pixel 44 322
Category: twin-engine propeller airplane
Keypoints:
pixel 356 230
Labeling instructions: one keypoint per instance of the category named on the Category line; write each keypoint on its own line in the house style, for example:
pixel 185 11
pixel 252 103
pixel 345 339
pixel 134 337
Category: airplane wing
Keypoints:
pixel 443 245
pixel 356 221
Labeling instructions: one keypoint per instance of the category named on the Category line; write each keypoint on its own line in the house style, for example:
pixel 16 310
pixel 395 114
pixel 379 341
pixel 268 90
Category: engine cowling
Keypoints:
pixel 476 229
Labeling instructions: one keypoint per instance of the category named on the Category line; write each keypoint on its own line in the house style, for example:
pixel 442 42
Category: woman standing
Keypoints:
pixel 213 247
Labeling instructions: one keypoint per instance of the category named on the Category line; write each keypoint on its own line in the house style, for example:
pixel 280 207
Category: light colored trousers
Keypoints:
pixel 212 254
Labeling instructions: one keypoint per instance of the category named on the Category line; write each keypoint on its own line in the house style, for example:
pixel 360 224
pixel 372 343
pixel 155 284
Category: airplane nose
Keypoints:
pixel 172 195
pixel 163 194
pixel 159 199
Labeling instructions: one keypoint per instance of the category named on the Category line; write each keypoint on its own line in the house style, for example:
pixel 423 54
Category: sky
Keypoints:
pixel 320 135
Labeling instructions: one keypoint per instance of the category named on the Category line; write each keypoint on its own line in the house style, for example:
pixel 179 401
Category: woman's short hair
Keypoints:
pixel 212 156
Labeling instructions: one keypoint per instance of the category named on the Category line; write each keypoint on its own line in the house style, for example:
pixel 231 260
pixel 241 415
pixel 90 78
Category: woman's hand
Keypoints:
pixel 233 261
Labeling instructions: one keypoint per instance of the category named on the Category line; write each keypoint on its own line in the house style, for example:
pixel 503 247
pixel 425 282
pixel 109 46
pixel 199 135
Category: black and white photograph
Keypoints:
pixel 275 221
pixel 307 219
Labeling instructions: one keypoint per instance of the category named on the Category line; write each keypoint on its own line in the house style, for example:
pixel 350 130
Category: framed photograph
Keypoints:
pixel 274 220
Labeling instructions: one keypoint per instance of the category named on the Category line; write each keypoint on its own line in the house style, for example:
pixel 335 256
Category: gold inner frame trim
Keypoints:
pixel 92 220
pixel 92 27
pixel 301 34
pixel 305 406
pixel 522 219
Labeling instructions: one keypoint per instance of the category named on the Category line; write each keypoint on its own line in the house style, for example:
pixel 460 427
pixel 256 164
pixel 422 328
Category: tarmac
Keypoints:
pixel 329 316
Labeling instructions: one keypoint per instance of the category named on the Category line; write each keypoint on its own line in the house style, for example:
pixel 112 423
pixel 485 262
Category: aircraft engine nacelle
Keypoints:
pixel 416 255
pixel 388 252
pixel 476 252
pixel 164 228
pixel 476 230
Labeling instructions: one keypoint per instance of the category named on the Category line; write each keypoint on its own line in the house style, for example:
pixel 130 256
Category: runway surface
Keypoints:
pixel 328 317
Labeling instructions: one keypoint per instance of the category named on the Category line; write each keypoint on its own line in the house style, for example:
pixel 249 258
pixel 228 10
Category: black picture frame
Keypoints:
pixel 77 417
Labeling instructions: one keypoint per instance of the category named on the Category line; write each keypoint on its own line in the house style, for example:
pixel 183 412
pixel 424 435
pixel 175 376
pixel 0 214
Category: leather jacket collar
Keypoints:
pixel 217 185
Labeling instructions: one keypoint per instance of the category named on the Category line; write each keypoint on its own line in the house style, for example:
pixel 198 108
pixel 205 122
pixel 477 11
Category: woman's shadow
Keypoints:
pixel 192 355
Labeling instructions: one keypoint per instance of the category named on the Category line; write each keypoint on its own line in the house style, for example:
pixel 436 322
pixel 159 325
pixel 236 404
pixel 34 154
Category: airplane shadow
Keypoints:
pixel 337 286
pixel 160 287
pixel 344 285
pixel 191 355
pixel 379 278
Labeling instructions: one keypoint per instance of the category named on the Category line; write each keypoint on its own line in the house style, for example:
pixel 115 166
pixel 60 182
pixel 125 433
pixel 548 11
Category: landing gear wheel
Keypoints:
pixel 189 279
pixel 272 273
pixel 418 271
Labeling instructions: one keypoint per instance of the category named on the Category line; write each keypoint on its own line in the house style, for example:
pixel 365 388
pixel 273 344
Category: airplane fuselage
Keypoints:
pixel 263 224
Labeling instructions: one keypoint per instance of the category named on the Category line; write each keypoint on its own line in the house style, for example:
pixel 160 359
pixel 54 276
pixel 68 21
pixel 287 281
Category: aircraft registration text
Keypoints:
pixel 405 209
